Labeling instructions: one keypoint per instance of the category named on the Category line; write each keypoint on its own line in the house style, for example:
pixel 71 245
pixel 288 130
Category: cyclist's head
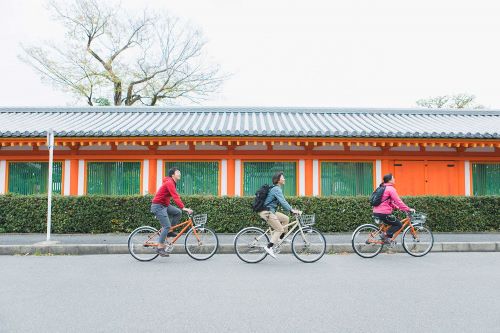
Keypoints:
pixel 174 173
pixel 388 178
pixel 278 178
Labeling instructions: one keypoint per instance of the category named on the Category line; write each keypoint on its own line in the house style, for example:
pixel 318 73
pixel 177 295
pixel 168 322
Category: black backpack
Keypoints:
pixel 376 197
pixel 260 197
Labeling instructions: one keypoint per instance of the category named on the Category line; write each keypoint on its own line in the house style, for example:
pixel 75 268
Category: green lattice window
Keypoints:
pixel 486 178
pixel 114 178
pixel 256 174
pixel 197 177
pixel 33 177
pixel 346 178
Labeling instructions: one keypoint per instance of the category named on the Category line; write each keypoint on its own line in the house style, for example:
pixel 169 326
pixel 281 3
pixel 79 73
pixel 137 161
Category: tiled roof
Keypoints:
pixel 249 122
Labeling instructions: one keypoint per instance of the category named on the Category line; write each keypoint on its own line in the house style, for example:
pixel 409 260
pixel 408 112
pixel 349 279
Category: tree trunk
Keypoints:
pixel 118 93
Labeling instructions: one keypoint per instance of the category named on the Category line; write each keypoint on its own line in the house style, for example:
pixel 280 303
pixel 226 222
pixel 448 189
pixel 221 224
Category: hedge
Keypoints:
pixel 104 214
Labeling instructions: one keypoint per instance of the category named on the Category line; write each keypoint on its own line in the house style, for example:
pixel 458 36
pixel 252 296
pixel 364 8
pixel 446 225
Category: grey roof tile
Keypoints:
pixel 249 121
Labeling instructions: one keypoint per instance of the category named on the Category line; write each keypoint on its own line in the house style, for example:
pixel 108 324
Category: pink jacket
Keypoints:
pixel 394 201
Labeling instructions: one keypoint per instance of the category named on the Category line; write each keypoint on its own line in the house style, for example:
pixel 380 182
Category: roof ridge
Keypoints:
pixel 251 109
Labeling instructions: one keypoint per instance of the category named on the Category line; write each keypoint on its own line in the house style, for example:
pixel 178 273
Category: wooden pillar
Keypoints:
pixel 309 177
pixel 73 186
pixel 152 175
pixel 230 176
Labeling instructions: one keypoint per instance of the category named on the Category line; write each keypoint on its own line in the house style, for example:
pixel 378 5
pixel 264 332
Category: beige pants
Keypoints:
pixel 276 221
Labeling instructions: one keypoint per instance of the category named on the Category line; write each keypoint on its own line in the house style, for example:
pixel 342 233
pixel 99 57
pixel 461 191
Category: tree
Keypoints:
pixel 124 58
pixel 458 101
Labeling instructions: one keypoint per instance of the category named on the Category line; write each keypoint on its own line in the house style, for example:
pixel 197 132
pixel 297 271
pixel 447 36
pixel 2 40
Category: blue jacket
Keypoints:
pixel 275 197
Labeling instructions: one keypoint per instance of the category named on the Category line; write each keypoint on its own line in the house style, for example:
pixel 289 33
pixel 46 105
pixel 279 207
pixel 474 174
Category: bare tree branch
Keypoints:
pixel 457 101
pixel 156 57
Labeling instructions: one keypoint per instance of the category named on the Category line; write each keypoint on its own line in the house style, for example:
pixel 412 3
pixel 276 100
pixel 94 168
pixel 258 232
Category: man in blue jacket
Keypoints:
pixel 276 219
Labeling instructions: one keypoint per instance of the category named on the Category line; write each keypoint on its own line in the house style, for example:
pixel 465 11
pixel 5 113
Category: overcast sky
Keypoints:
pixel 384 53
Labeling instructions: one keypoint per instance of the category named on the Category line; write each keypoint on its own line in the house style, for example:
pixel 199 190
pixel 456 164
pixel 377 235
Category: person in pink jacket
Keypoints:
pixel 390 201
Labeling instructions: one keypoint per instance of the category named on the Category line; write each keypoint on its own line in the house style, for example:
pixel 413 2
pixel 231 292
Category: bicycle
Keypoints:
pixel 308 244
pixel 417 239
pixel 200 242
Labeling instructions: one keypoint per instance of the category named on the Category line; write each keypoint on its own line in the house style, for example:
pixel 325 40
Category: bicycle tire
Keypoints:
pixel 136 243
pixel 359 241
pixel 409 247
pixel 249 245
pixel 316 242
pixel 202 251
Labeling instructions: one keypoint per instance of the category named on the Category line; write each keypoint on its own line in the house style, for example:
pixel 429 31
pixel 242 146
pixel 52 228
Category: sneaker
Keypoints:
pixel 386 239
pixel 169 248
pixel 162 252
pixel 270 251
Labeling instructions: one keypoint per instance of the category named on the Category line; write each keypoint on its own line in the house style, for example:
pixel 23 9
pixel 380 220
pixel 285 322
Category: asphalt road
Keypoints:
pixel 442 292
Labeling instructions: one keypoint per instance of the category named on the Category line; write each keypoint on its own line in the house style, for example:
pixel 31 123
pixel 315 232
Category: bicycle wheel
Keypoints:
pixel 142 243
pixel 366 241
pixel 249 245
pixel 419 243
pixel 202 245
pixel 308 245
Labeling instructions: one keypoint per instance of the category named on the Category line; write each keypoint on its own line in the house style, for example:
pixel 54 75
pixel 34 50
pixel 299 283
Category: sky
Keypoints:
pixel 329 53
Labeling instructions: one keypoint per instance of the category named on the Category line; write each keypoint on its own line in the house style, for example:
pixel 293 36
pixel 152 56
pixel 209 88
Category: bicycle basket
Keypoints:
pixel 200 219
pixel 418 218
pixel 307 220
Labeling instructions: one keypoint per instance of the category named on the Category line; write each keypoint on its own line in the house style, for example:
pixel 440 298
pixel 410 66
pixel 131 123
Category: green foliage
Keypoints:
pixel 104 214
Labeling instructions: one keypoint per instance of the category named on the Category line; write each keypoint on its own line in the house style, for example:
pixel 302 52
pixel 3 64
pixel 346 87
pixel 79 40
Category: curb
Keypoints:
pixel 89 249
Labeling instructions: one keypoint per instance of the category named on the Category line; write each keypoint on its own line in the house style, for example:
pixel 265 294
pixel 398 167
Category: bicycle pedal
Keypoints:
pixel 169 248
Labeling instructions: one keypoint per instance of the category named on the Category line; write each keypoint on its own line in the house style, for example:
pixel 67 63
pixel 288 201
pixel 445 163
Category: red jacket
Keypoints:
pixel 166 191
pixel 390 200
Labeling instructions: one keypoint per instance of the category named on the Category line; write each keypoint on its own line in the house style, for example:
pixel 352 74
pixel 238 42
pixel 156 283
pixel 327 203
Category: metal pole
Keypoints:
pixel 50 144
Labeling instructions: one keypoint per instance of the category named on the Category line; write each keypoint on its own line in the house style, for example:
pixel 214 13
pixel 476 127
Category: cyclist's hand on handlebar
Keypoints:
pixel 412 211
pixel 187 210
pixel 296 211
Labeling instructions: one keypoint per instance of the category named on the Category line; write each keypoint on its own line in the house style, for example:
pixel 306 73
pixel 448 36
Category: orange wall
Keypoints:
pixel 420 173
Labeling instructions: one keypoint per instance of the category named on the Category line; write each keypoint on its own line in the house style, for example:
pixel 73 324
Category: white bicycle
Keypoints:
pixel 308 244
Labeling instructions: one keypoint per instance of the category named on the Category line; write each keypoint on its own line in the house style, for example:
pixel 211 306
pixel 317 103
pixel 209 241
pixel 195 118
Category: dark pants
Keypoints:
pixel 390 220
pixel 168 216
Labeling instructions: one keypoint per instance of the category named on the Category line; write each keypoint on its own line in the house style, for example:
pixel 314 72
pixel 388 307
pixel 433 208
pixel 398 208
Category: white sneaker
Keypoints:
pixel 270 251
pixel 169 248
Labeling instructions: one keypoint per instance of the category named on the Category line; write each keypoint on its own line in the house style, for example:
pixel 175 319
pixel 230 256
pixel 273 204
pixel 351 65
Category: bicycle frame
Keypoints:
pixel 291 230
pixel 383 228
pixel 185 225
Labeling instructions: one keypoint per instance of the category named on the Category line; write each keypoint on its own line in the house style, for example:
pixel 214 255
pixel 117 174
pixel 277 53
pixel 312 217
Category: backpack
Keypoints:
pixel 376 197
pixel 260 197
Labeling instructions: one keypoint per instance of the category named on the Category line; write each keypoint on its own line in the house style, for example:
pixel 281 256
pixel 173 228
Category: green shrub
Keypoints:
pixel 104 214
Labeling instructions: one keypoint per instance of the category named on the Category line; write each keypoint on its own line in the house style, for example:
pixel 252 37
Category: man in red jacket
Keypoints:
pixel 164 211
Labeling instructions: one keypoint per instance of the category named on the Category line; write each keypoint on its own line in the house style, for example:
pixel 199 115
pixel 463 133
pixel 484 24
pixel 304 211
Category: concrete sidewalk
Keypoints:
pixel 79 244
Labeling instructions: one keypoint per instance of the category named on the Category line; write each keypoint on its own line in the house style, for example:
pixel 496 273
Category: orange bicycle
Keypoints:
pixel 200 242
pixel 417 239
